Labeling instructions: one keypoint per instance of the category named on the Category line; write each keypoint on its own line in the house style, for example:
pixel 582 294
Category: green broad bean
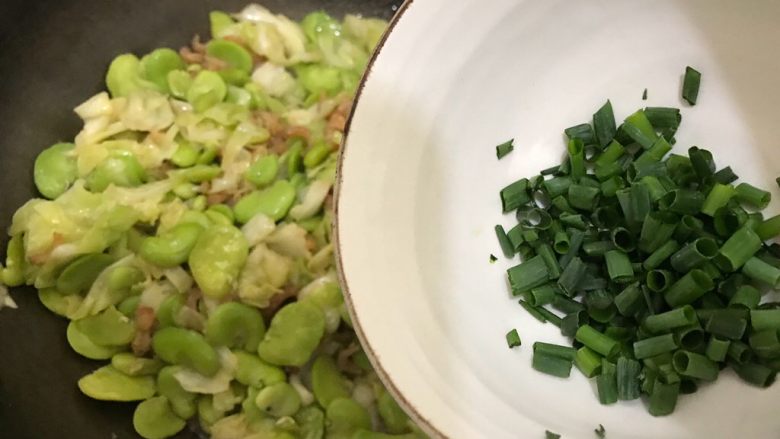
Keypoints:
pixel 327 382
pixel 311 421
pixel 156 65
pixel 186 348
pixel 108 384
pixel 217 259
pixel 80 274
pixel 123 76
pixel 55 170
pixel 85 347
pixel 208 156
pixel 316 154
pixel 61 304
pixel 233 54
pixel 124 278
pixel 395 419
pixel 235 325
pixel 185 191
pixel 278 400
pixel 250 410
pixel 155 419
pixel 294 333
pixel 234 77
pixel 108 328
pixel 207 89
pixel 219 21
pixel 311 223
pixel 263 171
pixel 294 156
pixel 121 169
pixel 368 434
pixel 346 416
pixel 224 211
pixel 179 82
pixel 200 173
pixel 319 79
pixel 238 96
pixel 173 247
pixel 199 203
pixel 195 217
pixel 168 310
pixel 253 372
pixel 274 202
pixel 131 365
pixel 182 402
pixel 298 180
pixel 128 306
pixel 186 155
pixel 15 262
pixel 207 413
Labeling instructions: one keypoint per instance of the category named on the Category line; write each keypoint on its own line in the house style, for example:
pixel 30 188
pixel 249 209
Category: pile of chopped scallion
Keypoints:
pixel 656 264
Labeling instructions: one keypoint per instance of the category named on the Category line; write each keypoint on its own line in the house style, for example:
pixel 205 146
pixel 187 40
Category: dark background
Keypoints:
pixel 53 55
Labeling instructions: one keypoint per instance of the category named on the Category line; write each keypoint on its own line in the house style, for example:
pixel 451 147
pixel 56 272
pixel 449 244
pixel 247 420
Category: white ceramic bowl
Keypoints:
pixel 419 182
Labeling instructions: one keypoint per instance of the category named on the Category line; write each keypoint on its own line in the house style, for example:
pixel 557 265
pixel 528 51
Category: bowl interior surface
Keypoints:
pixel 418 196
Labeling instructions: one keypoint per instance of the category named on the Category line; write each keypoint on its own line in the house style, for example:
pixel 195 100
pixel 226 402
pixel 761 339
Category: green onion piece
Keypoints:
pixel 575 244
pixel 549 316
pixel 691 82
pixel 628 371
pixel 515 236
pixel 657 230
pixel 694 254
pixel 564 352
pixel 702 162
pixel 644 95
pixel 623 239
pixel 639 128
pixel 689 225
pixel 513 339
pixel 630 300
pixel 618 266
pixel 606 383
pixel 611 186
pixel 606 217
pixel 550 435
pixel 583 197
pixel 769 228
pixel 565 304
pixel 597 248
pixel 725 176
pixel 726 325
pixel 655 153
pixel 650 347
pixel 762 319
pixel 683 201
pixel 543 295
pixel 604 124
pixel 655 187
pixel 573 220
pixel 571 322
pixel 493 258
pixel 728 287
pixel 740 247
pixel 739 352
pixel 597 341
pixel 728 220
pixel 635 203
pixel 515 195
pixel 611 154
pixel 664 119
pixel 557 186
pixel 688 288
pixel 561 242
pixel 528 275
pixel 504 148
pixel 588 362
pixel 704 314
pixel 576 152
pixel 658 280
pixel 660 255
pixel 504 242
pixel 717 348
pixel 694 365
pixel 719 196
pixel 746 296
pixel 530 309
pixel 546 252
pixel 756 374
pixel 753 196
pixel 534 218
pixel 571 276
pixel 663 398
pixel 673 319
pixel 551 365
pixel 583 132
pixel 765 344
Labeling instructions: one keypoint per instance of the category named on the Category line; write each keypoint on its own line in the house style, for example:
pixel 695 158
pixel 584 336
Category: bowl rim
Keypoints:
pixel 413 412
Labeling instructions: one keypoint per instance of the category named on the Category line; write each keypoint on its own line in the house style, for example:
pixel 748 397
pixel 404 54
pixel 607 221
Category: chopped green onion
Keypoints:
pixel 663 398
pixel 688 288
pixel 597 341
pixel 504 242
pixel 493 258
pixel 513 339
pixel 564 352
pixel 769 228
pixel 618 266
pixel 571 276
pixel 753 196
pixel 639 128
pixel 576 152
pixel 630 300
pixel 543 295
pixel 657 230
pixel 644 95
pixel 683 201
pixel 588 362
pixel 694 365
pixel 528 275
pixel 658 280
pixel 694 254
pixel 583 132
pixel 739 352
pixel 606 383
pixel 504 148
pixel 660 255
pixel 551 365
pixel 550 435
pixel 765 344
pixel 740 247
pixel 650 347
pixel 549 316
pixel 761 319
pixel 673 319
pixel 719 196
pixel 726 325
pixel 583 197
pixel 691 82
pixel 628 371
pixel 515 195
pixel 717 348
pixel 604 124
pixel 530 309
pixel 756 374
pixel 557 186
pixel 623 239
pixel 746 296
pixel 759 270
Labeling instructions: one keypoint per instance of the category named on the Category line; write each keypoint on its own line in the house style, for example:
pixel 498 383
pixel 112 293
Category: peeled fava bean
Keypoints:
pixel 155 419
pixel 217 259
pixel 85 347
pixel 182 402
pixel 294 333
pixel 186 348
pixel 108 328
pixel 278 400
pixel 173 247
pixel 327 382
pixel 131 365
pixel 253 372
pixel 79 275
pixel 235 325
pixel 108 384
pixel 55 170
